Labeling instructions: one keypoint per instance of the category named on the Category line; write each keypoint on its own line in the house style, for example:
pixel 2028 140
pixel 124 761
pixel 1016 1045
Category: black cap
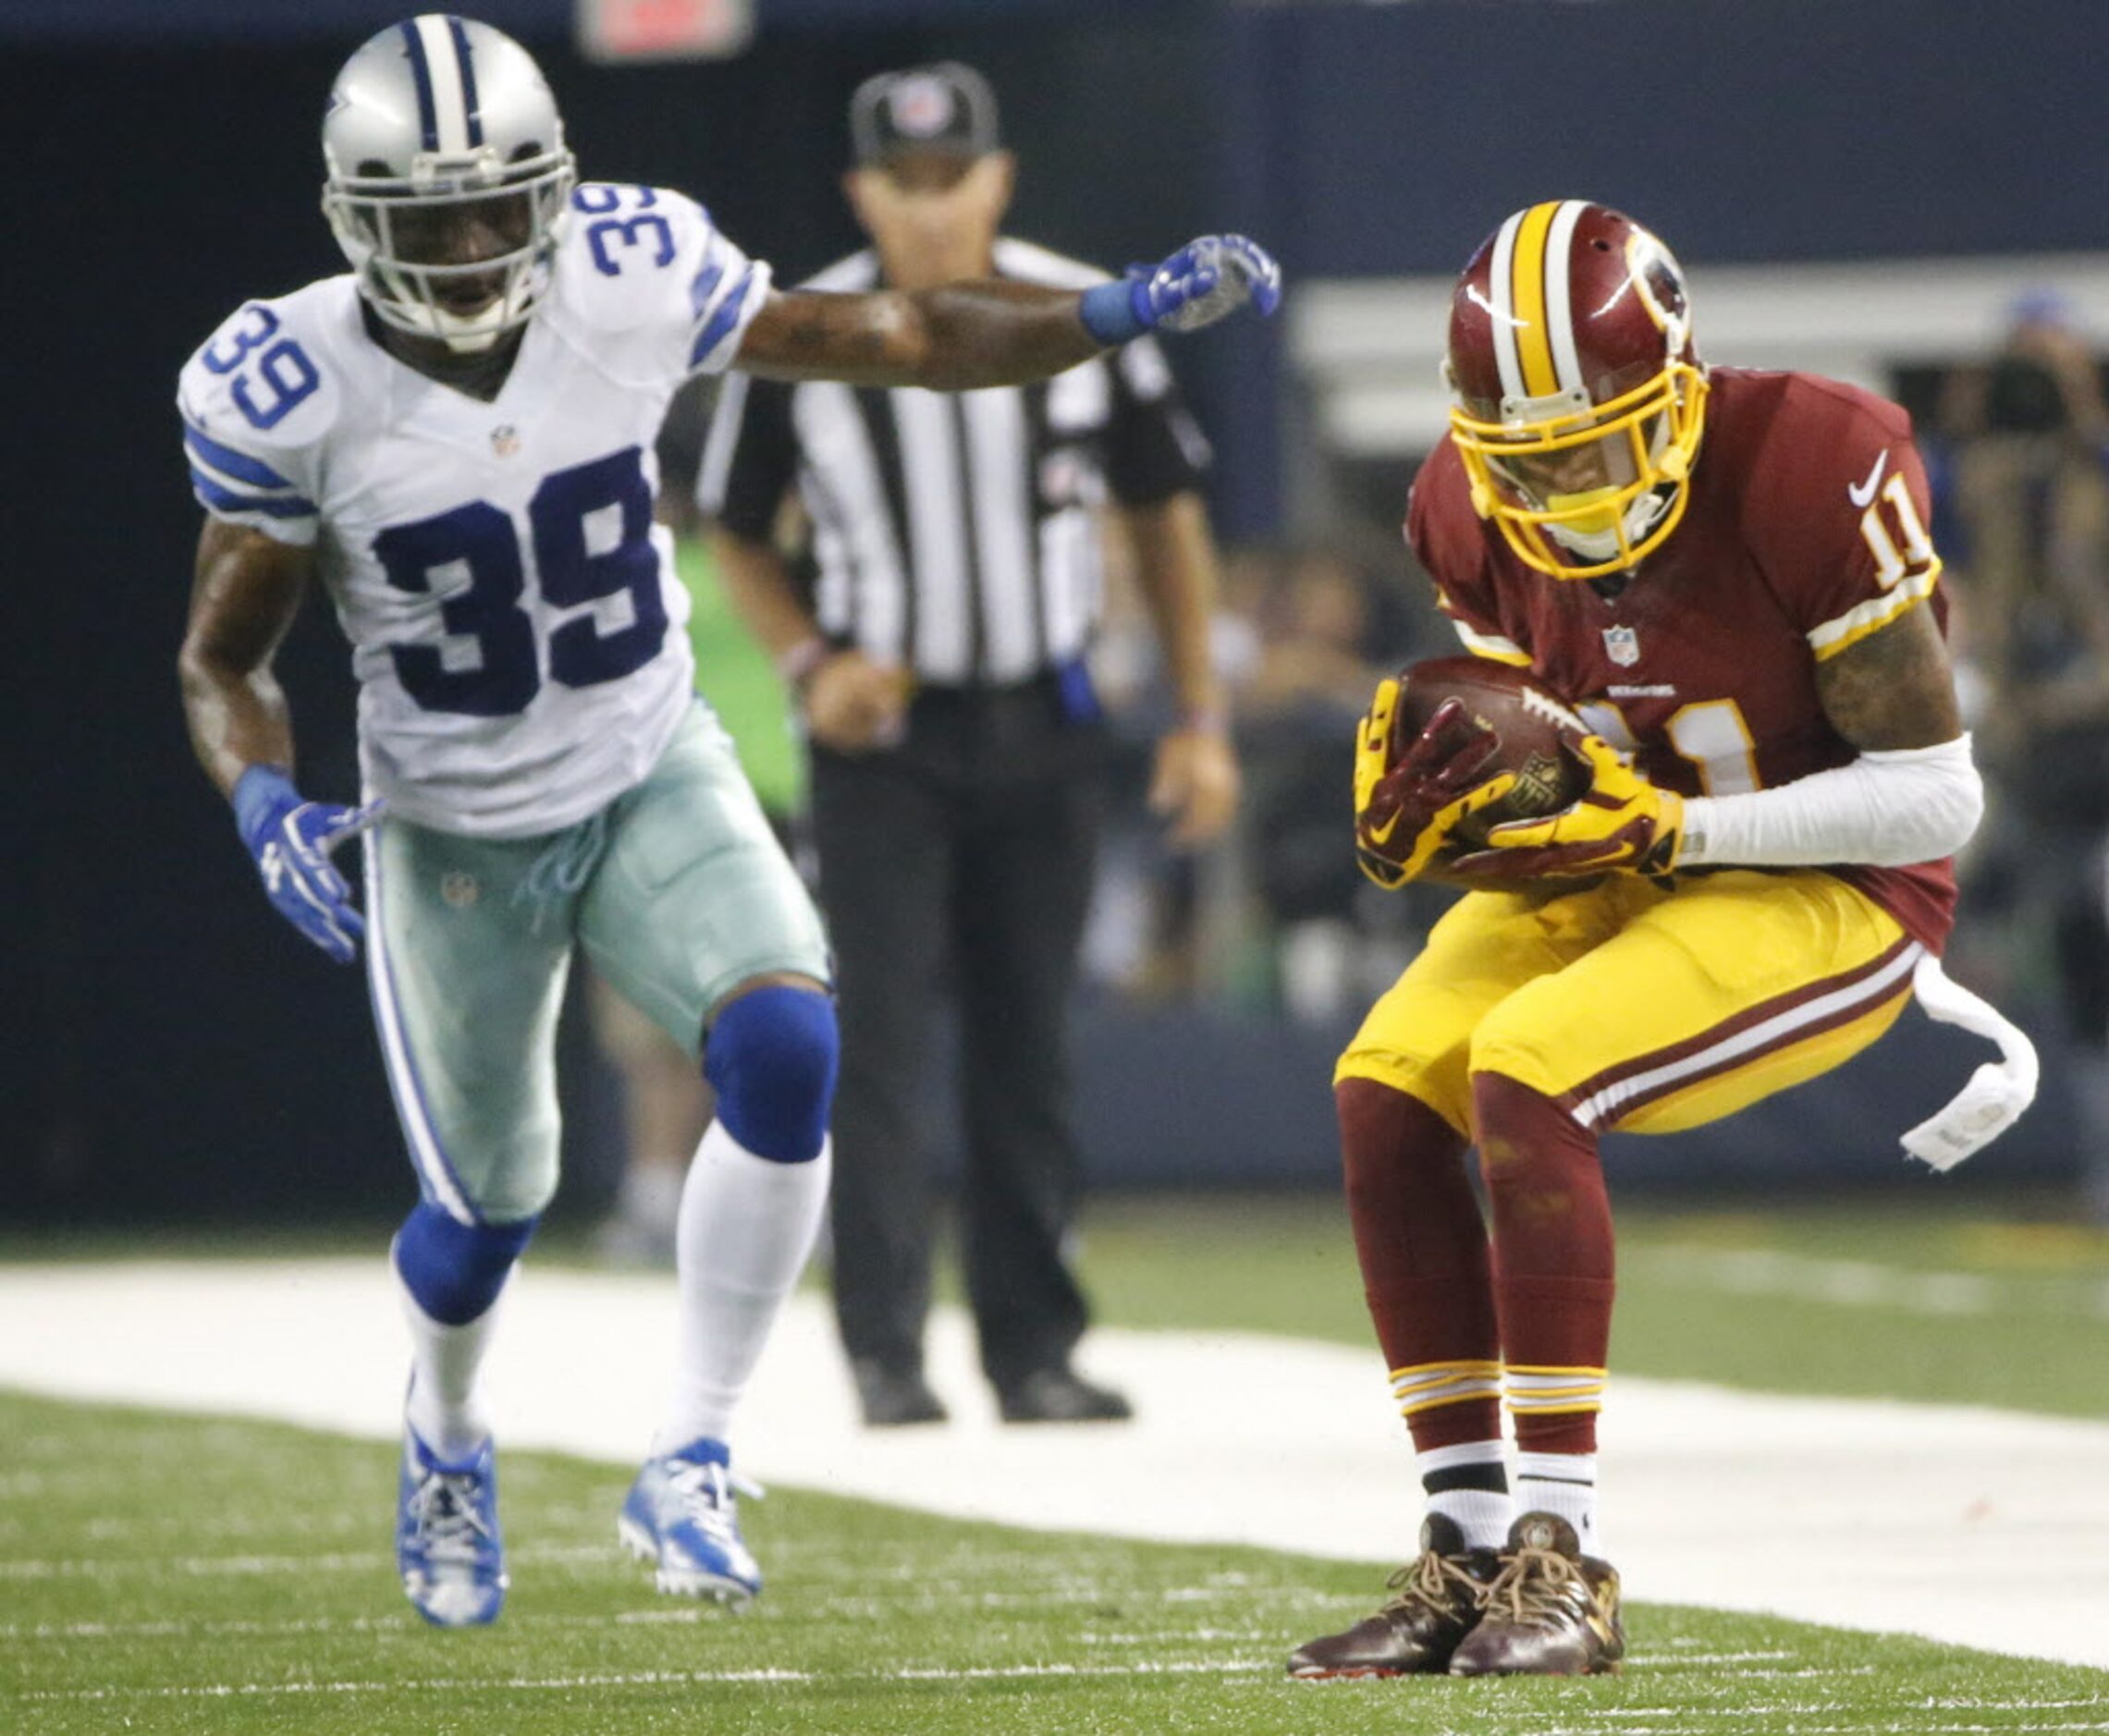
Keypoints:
pixel 942 107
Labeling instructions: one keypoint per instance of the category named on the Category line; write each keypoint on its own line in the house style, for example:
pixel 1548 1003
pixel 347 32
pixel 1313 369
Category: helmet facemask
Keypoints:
pixel 469 219
pixel 1581 488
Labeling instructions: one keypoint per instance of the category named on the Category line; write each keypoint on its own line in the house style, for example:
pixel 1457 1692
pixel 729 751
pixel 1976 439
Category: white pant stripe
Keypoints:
pixel 1869 990
pixel 423 1137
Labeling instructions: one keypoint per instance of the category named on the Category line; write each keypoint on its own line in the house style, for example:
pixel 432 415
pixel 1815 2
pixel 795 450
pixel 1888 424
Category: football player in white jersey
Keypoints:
pixel 455 440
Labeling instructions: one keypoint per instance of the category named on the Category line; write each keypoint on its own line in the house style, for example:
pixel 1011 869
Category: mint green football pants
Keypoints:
pixel 678 892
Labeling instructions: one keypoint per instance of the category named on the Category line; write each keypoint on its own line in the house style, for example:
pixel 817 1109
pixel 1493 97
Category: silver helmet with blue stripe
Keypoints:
pixel 448 178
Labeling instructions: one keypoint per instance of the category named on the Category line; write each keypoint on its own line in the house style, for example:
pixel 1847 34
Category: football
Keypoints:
pixel 1525 715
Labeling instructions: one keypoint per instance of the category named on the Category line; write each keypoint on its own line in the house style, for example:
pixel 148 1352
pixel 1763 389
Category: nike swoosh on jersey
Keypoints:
pixel 1863 493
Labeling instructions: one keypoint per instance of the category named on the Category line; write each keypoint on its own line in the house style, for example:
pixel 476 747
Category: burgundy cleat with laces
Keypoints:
pixel 1438 1603
pixel 1553 1611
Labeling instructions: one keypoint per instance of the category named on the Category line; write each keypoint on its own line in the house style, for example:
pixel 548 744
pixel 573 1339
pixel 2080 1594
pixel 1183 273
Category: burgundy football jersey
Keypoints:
pixel 1806 531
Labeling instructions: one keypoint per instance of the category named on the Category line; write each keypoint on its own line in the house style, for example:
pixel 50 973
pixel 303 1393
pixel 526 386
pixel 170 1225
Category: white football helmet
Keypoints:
pixel 448 178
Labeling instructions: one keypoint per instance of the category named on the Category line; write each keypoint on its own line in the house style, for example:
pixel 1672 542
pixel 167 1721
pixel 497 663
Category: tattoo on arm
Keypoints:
pixel 953 339
pixel 802 333
pixel 1893 689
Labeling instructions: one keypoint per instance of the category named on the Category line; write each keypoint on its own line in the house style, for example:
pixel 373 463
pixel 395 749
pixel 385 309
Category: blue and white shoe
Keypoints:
pixel 448 1547
pixel 683 1513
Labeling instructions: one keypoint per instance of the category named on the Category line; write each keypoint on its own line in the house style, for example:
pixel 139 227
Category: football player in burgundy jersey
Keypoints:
pixel 1727 573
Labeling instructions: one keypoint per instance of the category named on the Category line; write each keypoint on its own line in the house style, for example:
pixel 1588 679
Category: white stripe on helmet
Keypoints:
pixel 1500 312
pixel 450 99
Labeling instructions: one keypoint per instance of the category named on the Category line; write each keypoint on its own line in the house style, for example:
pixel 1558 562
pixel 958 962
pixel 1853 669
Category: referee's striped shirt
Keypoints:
pixel 955 534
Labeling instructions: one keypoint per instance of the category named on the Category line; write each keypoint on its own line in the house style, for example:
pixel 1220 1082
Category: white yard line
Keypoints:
pixel 633 1678
pixel 1969 1525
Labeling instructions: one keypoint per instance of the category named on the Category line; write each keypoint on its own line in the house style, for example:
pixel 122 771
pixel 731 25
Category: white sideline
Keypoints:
pixel 1976 1526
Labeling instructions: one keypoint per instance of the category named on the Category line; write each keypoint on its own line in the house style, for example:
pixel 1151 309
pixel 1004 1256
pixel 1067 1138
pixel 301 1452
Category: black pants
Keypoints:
pixel 959 861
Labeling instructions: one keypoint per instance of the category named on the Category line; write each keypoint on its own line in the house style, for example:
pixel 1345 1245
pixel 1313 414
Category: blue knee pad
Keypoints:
pixel 454 1270
pixel 771 1058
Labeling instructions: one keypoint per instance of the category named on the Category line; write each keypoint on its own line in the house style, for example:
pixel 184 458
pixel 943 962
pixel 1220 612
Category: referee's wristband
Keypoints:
pixel 797 664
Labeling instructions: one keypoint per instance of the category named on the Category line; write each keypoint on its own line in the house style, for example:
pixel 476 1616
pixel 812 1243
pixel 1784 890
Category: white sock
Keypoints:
pixel 747 1225
pixel 650 1195
pixel 1565 1484
pixel 1484 1515
pixel 442 1406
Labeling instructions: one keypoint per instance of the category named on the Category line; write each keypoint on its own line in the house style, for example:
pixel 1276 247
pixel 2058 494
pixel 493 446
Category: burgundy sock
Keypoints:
pixel 1423 1248
pixel 1552 1250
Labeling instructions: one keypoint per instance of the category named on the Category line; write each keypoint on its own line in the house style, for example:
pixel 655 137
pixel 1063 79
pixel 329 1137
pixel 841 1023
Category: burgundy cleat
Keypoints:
pixel 1438 1604
pixel 1553 1611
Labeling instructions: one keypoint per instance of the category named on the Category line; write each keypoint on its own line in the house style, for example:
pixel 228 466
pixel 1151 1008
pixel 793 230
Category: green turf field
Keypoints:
pixel 164 1573
pixel 174 1574
pixel 1912 1297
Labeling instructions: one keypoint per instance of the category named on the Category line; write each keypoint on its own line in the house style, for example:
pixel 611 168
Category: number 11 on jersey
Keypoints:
pixel 1711 733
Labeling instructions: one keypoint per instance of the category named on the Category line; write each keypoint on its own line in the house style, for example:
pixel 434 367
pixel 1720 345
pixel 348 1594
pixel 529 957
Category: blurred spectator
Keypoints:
pixel 1317 651
pixel 2030 429
pixel 1324 635
pixel 2028 432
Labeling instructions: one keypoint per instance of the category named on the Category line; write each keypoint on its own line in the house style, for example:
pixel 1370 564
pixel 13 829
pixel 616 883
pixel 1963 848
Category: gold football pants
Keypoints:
pixel 1638 1008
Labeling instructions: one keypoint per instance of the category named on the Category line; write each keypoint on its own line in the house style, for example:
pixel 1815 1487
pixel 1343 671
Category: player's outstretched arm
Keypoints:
pixel 990 333
pixel 247 591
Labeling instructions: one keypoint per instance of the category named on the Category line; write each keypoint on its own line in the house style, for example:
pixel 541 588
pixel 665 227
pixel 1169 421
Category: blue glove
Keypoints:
pixel 292 839
pixel 1196 286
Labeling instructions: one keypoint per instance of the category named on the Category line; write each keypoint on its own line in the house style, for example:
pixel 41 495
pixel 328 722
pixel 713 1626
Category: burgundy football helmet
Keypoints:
pixel 1579 399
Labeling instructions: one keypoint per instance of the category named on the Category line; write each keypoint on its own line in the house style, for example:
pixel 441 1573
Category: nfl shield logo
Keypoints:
pixel 504 440
pixel 1622 645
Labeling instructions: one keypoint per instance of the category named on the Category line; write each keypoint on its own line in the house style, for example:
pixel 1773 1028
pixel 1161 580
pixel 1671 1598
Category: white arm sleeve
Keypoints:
pixel 1889 809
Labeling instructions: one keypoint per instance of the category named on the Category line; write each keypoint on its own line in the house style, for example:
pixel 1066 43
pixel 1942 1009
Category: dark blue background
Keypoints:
pixel 169 1044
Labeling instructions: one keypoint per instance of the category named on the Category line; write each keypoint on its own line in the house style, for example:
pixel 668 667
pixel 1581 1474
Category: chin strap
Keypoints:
pixel 1997 1093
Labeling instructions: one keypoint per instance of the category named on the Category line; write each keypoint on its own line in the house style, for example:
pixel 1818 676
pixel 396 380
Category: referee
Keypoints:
pixel 938 652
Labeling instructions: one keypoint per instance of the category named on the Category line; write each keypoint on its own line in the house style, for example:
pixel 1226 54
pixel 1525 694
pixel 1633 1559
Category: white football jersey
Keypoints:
pixel 515 626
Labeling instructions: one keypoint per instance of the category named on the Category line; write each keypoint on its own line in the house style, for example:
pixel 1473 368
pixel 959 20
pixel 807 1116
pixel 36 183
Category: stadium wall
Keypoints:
pixel 169 1045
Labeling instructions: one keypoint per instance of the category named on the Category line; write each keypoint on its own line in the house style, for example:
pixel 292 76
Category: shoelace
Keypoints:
pixel 443 1509
pixel 706 1492
pixel 1533 1586
pixel 1431 1580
